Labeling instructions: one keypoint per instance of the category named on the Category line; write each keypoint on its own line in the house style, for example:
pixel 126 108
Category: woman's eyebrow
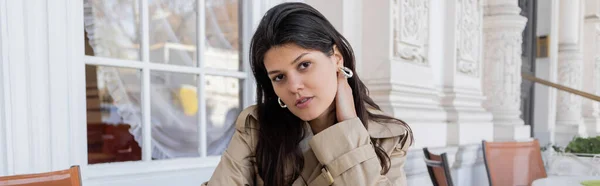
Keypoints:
pixel 299 57
pixel 295 61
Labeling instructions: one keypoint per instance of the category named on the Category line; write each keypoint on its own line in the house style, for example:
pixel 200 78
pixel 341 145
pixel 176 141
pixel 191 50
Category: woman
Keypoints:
pixel 314 123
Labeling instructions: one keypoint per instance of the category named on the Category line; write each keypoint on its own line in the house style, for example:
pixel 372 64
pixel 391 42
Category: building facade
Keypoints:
pixel 452 69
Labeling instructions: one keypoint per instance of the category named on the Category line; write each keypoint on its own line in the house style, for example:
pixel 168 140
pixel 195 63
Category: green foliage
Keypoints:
pixel 584 145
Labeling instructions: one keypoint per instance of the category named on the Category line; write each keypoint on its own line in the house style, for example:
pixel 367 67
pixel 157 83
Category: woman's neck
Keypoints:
pixel 324 121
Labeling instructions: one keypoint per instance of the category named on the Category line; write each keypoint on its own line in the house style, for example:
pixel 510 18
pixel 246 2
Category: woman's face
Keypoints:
pixel 304 79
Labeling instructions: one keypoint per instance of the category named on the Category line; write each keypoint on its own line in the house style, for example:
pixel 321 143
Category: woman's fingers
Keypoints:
pixel 344 99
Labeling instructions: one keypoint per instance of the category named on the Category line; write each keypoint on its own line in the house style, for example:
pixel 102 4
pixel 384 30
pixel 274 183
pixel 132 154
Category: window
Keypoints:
pixel 163 80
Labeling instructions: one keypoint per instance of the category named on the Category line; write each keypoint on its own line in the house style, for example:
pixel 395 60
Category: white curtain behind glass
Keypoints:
pixel 112 27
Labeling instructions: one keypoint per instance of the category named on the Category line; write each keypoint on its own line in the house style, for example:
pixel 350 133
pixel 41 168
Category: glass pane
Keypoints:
pixel 114 124
pixel 223 98
pixel 222 34
pixel 174 115
pixel 112 29
pixel 173 32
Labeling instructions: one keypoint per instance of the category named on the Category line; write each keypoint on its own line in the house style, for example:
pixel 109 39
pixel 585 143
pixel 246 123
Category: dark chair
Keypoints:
pixel 438 168
pixel 69 177
pixel 513 163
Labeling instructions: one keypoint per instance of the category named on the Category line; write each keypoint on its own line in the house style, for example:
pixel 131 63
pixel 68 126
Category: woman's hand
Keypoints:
pixel 344 101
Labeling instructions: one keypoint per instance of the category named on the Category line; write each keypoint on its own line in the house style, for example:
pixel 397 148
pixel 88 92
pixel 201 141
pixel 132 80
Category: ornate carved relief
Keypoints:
pixel 570 75
pixel 502 82
pixel 411 20
pixel 469 36
pixel 524 6
pixel 594 107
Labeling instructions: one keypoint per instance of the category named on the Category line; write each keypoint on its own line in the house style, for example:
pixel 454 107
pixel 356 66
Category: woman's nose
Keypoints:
pixel 295 83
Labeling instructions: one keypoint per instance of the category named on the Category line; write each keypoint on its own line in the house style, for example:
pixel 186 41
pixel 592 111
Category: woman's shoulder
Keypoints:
pixel 247 119
pixel 386 128
pixel 395 131
pixel 246 126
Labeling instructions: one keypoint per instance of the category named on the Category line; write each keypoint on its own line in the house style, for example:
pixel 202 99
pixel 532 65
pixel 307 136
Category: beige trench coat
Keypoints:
pixel 339 155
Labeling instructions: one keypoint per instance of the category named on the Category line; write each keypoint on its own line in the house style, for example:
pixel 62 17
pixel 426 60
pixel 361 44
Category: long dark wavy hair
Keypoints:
pixel 278 156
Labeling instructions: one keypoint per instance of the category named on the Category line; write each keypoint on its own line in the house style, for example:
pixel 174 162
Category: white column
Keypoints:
pixel 503 28
pixel 546 68
pixel 17 138
pixel 456 54
pixel 36 126
pixel 591 66
pixel 568 114
pixel 4 108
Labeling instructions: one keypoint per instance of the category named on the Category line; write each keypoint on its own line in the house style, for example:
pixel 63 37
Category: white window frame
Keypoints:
pixel 78 95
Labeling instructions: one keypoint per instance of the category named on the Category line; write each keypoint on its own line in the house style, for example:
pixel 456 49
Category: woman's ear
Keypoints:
pixel 337 55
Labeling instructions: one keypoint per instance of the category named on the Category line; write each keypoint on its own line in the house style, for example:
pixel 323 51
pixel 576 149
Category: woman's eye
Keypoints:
pixel 304 65
pixel 278 77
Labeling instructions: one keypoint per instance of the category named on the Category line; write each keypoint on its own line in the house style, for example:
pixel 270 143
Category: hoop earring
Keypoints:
pixel 347 72
pixel 281 104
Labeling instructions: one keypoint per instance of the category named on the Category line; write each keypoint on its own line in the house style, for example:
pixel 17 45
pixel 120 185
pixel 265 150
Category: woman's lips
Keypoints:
pixel 303 102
